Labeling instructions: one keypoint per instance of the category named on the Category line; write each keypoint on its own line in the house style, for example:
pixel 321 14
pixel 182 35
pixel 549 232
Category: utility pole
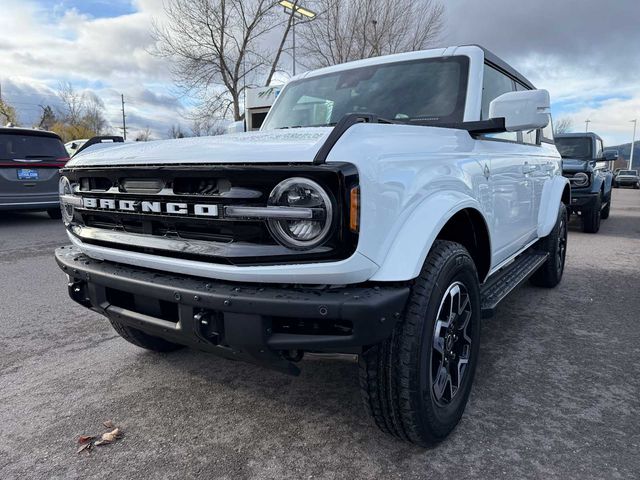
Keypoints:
pixel 124 123
pixel 633 141
pixel 293 36
pixel 293 8
pixel 587 122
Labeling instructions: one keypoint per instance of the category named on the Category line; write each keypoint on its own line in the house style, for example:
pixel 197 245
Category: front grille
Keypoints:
pixel 188 204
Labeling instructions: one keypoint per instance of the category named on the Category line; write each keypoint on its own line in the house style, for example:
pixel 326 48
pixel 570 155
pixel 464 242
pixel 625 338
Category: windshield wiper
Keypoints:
pixel 332 124
pixel 365 117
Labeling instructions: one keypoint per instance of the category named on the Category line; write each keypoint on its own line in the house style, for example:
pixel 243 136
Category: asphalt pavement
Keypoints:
pixel 556 393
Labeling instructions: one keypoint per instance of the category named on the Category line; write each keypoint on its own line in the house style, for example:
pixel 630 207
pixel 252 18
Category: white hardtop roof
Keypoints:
pixel 398 57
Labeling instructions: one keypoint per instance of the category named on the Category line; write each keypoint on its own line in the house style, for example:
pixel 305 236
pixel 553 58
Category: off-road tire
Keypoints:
pixel 606 210
pixel 555 244
pixel 142 339
pixel 591 218
pixel 396 375
pixel 54 213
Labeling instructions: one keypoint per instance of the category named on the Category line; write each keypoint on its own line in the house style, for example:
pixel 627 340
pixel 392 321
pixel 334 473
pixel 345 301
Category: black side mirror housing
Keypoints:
pixel 610 155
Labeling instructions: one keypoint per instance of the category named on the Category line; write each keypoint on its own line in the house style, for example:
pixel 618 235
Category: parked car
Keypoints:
pixel 384 207
pixel 29 164
pixel 74 145
pixel 583 163
pixel 627 178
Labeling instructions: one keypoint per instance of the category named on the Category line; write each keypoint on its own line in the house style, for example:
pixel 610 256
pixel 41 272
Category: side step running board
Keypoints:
pixel 503 282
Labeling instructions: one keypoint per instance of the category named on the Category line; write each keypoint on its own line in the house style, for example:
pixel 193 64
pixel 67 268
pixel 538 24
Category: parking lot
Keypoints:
pixel 556 391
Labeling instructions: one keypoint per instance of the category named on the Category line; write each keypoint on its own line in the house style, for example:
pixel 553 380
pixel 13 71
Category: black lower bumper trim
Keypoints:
pixel 248 321
pixel 583 201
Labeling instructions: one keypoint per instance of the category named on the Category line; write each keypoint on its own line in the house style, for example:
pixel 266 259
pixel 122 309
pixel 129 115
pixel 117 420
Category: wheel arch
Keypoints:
pixel 445 217
pixel 478 244
pixel 555 191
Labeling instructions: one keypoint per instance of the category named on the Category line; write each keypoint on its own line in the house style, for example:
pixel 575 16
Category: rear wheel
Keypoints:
pixel 591 218
pixel 142 339
pixel 54 213
pixel 416 384
pixel 555 244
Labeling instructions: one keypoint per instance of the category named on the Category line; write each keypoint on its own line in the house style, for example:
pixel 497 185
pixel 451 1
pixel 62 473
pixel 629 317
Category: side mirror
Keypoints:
pixel 525 110
pixel 610 155
pixel 236 127
pixel 74 145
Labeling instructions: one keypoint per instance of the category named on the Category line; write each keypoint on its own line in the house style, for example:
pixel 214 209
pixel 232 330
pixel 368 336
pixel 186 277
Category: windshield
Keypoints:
pixel 628 172
pixel 24 146
pixel 574 147
pixel 430 90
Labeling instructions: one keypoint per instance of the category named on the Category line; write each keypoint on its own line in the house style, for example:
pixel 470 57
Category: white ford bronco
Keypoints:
pixel 383 209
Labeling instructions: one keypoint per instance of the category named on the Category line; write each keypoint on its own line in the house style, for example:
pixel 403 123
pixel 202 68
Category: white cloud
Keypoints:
pixel 41 46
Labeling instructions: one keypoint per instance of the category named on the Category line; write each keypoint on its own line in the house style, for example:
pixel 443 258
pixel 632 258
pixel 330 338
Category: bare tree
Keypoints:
pixel 73 103
pixel 563 125
pixel 144 135
pixel 81 114
pixel 176 132
pixel 93 114
pixel 345 31
pixel 217 49
pixel 208 127
pixel 47 118
pixel 8 114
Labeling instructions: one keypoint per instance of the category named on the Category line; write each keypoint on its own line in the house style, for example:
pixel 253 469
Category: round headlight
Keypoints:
pixel 64 187
pixel 580 179
pixel 301 233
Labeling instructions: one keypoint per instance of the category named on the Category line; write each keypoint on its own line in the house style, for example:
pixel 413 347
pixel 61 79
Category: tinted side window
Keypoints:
pixel 599 148
pixel 547 132
pixel 495 84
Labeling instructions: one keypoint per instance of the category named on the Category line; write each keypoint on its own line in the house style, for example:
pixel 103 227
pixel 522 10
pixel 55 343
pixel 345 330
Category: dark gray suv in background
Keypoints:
pixel 29 163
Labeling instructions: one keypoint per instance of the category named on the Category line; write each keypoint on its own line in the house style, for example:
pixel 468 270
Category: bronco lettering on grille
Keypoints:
pixel 175 208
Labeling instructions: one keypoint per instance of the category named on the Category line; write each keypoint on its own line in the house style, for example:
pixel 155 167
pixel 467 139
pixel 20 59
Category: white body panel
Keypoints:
pixel 413 179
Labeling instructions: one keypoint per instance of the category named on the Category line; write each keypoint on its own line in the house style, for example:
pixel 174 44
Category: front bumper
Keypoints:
pixel 264 325
pixel 626 182
pixel 582 201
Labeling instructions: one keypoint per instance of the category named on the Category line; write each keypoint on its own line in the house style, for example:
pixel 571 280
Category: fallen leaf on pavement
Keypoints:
pixel 86 446
pixel 101 442
pixel 108 424
pixel 85 438
pixel 112 435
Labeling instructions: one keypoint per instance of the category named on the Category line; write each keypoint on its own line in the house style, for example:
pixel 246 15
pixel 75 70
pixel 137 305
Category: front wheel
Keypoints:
pixel 636 186
pixel 416 384
pixel 591 218
pixel 54 213
pixel 606 210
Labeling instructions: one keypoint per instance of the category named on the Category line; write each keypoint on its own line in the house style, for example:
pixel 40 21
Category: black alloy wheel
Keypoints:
pixel 451 344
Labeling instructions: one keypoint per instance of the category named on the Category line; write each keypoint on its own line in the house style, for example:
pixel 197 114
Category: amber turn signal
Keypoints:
pixel 354 212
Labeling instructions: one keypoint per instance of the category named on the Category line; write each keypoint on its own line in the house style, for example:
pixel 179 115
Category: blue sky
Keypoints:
pixel 94 8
